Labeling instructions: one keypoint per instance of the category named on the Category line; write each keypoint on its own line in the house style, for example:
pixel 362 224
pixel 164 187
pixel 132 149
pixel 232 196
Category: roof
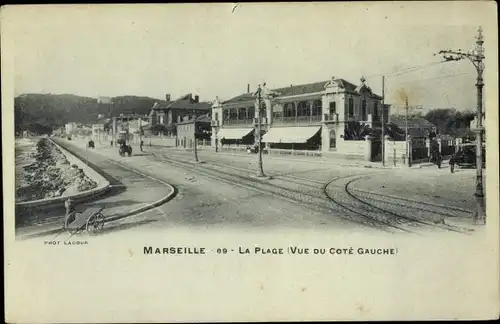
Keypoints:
pixel 416 132
pixel 188 104
pixel 294 90
pixel 413 122
pixel 200 119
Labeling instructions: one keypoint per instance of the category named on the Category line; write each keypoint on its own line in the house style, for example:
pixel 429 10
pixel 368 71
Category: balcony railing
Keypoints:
pixel 238 122
pixel 296 120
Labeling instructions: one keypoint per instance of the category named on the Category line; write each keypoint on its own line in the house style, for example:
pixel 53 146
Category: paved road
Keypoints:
pixel 220 194
pixel 202 202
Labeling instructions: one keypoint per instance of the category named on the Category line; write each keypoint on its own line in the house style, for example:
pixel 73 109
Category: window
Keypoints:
pixel 333 108
pixel 333 139
pixel 277 111
pixel 317 108
pixel 242 114
pixel 375 110
pixel 289 109
pixel 216 116
pixel 251 112
pixel 363 110
pixel 351 107
pixel 226 114
pixel 304 109
pixel 233 114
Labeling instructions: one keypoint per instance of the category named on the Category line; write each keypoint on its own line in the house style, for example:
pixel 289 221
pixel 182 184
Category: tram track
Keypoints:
pixel 421 208
pixel 317 186
pixel 319 198
pixel 320 203
pixel 384 215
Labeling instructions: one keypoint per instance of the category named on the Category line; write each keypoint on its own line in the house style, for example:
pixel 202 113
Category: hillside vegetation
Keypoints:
pixel 41 113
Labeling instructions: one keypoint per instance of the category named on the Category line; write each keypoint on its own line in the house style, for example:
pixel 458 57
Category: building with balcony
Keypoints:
pixel 308 116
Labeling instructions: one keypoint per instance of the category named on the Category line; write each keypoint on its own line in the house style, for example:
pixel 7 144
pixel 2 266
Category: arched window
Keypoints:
pixel 304 109
pixel 333 139
pixel 363 110
pixel 351 107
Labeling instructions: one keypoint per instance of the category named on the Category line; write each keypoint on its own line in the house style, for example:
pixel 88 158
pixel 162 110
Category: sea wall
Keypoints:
pixel 102 185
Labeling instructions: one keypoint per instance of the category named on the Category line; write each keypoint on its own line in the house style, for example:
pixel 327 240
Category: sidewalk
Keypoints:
pixel 131 192
pixel 332 160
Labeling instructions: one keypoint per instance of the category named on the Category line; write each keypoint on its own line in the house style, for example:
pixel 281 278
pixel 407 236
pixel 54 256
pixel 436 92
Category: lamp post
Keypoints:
pixel 261 173
pixel 195 144
pixel 216 128
pixel 476 57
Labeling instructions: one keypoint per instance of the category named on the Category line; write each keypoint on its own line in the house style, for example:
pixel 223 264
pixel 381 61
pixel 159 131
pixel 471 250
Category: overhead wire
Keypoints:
pixel 406 70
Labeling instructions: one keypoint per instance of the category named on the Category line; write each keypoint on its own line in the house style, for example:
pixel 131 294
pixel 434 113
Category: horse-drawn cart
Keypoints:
pixel 91 220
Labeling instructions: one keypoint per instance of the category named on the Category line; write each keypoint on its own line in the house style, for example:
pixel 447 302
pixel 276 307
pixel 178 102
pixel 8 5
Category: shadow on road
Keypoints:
pixel 115 228
pixel 111 204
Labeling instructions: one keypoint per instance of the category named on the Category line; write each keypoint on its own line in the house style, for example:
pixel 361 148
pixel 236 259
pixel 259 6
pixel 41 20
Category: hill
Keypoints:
pixel 40 113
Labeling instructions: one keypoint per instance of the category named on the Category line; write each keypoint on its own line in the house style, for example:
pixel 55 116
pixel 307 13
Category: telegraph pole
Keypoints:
pixel 383 126
pixel 476 57
pixel 406 129
pixel 259 121
pixel 195 148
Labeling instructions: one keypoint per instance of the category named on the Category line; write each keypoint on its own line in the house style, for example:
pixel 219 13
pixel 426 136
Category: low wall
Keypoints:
pixel 395 151
pixel 159 141
pixel 102 186
pixel 351 147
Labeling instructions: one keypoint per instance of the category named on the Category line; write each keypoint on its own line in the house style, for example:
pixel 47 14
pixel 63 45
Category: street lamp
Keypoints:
pixel 261 173
pixel 476 57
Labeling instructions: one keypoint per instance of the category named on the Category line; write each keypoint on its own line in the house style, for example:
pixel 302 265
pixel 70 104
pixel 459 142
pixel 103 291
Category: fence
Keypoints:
pixel 273 151
pixel 420 148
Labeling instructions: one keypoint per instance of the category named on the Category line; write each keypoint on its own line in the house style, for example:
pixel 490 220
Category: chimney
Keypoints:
pixel 196 98
pixel 248 88
pixel 167 97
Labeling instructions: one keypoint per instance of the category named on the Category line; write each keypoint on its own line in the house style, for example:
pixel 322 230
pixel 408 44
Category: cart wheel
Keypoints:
pixel 95 223
pixel 69 219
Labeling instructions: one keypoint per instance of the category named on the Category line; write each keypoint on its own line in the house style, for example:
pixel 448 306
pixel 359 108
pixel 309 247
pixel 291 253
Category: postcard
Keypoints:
pixel 250 162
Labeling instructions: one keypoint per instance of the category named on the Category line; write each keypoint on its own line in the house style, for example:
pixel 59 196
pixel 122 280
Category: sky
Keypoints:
pixel 211 50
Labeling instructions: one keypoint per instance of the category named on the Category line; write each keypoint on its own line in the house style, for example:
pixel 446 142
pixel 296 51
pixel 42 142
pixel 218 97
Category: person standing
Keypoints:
pixel 141 145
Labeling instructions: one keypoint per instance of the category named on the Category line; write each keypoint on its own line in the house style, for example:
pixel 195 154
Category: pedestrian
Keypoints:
pixel 111 143
pixel 70 207
pixel 142 143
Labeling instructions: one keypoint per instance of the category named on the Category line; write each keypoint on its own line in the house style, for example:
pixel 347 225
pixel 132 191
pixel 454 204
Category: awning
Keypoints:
pixel 233 133
pixel 290 134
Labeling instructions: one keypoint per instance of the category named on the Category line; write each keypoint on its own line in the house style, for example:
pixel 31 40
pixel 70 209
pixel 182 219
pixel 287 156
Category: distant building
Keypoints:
pixel 104 100
pixel 169 113
pixel 418 127
pixel 70 128
pixel 186 129
pixel 473 123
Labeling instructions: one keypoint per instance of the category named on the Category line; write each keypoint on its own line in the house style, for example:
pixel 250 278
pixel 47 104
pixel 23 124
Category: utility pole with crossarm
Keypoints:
pixel 476 57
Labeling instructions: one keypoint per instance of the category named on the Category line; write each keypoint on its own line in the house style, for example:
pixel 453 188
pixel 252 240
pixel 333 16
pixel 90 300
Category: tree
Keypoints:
pixel 158 129
pixel 450 121
pixel 356 131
